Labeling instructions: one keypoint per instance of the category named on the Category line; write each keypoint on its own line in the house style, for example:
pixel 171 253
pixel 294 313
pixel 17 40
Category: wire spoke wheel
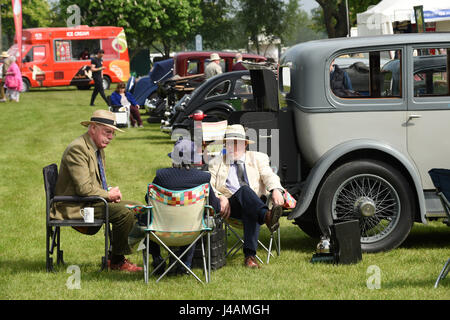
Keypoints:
pixel 371 200
pixel 372 192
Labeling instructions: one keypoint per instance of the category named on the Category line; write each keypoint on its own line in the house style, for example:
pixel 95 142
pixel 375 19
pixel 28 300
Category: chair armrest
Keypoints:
pixel 79 199
pixel 210 211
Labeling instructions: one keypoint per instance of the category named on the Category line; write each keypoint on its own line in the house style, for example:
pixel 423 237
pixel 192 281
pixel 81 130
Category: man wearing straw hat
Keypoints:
pixel 82 173
pixel 240 178
pixel 4 59
pixel 213 68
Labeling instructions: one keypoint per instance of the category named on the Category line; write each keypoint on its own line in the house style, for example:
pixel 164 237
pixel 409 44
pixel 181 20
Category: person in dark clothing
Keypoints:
pixel 340 81
pixel 238 65
pixel 97 74
pixel 183 176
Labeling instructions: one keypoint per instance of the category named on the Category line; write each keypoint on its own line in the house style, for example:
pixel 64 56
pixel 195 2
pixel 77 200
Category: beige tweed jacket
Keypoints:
pixel 261 177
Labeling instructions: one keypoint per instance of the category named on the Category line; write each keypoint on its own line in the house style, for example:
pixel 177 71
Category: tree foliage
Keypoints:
pixel 35 13
pixel 333 15
pixel 146 22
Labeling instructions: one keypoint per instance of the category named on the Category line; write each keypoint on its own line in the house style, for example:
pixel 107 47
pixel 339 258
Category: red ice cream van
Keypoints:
pixel 61 56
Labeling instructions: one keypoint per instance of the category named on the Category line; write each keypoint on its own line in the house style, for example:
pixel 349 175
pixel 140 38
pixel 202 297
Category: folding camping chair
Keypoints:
pixel 53 227
pixel 122 114
pixel 176 219
pixel 441 180
pixel 231 224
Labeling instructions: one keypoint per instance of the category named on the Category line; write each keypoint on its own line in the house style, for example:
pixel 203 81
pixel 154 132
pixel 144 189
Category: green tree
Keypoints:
pixel 219 29
pixel 298 25
pixel 261 17
pixel 333 15
pixel 147 23
pixel 35 13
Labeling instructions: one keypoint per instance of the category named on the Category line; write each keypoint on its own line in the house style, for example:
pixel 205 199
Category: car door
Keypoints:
pixel 428 128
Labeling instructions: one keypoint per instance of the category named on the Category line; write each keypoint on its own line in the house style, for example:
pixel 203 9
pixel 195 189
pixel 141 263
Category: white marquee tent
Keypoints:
pixel 378 19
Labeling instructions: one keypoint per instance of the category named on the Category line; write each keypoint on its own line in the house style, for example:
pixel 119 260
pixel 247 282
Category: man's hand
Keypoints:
pixel 114 195
pixel 277 197
pixel 225 209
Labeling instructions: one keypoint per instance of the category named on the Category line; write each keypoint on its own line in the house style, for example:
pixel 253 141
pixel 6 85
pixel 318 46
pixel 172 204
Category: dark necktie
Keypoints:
pixel 241 173
pixel 102 171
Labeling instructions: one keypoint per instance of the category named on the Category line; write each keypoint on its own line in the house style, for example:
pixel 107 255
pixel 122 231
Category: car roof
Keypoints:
pixel 323 49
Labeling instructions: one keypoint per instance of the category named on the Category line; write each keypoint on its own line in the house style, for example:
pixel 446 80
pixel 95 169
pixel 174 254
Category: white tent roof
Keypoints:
pixel 378 19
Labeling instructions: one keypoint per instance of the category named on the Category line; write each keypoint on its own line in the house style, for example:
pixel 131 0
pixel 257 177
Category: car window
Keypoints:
pixel 36 54
pixel 430 72
pixel 193 67
pixel 372 74
pixel 242 88
pixel 220 89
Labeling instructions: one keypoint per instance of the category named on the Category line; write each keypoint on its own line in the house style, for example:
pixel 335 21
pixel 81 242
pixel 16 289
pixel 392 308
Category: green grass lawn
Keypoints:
pixel 35 132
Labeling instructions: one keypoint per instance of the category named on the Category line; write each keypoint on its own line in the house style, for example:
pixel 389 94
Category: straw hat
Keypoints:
pixel 236 132
pixel 4 54
pixel 104 117
pixel 214 56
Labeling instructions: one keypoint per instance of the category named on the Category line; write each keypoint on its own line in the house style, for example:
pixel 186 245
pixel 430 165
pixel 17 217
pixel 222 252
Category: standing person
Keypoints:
pixel 82 173
pixel 238 65
pixel 239 179
pixel 122 98
pixel 213 68
pixel 13 80
pixel 97 73
pixel 5 67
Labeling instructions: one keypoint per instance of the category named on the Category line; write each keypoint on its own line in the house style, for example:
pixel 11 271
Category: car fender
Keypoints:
pixel 215 105
pixel 331 156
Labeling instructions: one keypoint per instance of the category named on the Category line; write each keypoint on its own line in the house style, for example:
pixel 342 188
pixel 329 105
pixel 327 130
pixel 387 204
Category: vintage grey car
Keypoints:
pixel 365 155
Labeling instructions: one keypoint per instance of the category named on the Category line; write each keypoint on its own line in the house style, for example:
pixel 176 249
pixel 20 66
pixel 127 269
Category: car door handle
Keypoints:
pixel 266 137
pixel 413 116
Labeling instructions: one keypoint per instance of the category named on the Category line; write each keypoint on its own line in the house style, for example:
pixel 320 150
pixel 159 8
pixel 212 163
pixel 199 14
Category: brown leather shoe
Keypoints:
pixel 272 216
pixel 250 262
pixel 126 265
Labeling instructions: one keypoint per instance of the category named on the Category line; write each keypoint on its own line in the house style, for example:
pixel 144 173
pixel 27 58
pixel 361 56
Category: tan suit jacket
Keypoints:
pixel 260 175
pixel 78 176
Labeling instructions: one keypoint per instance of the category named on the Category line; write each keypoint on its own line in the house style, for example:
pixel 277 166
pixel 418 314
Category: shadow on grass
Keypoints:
pixel 90 271
pixel 428 237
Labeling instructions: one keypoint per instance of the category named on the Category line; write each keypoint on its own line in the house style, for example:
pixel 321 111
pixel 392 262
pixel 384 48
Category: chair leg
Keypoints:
pixel 205 270
pixel 443 273
pixel 104 265
pixel 145 256
pixel 59 252
pixel 48 258
pixel 178 258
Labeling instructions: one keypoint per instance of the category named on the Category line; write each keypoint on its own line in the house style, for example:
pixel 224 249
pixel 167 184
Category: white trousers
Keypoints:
pixel 12 94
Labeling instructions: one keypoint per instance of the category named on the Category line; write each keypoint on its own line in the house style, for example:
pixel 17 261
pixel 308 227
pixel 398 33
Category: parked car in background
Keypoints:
pixel 190 63
pixel 217 97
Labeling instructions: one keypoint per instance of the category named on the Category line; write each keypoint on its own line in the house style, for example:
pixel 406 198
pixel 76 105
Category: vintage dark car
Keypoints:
pixel 218 98
pixel 189 63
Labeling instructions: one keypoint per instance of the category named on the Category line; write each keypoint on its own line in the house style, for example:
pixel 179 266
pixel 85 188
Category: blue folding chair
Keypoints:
pixel 441 180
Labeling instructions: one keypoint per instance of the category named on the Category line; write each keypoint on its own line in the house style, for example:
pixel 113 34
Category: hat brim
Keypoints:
pixel 87 123
pixel 238 139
